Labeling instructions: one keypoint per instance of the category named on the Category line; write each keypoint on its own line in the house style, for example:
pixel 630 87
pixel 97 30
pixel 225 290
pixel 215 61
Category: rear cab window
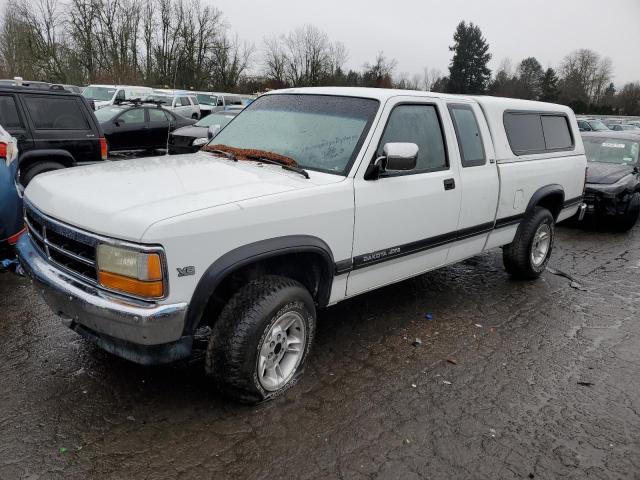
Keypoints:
pixel 538 132
pixel 55 113
pixel 468 135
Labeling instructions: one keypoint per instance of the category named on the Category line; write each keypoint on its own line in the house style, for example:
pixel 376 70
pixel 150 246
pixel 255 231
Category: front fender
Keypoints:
pixel 246 255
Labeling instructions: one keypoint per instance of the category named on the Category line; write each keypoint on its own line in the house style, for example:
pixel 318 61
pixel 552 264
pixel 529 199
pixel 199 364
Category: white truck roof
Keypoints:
pixel 493 108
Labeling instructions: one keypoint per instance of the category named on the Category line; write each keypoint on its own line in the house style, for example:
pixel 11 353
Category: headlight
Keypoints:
pixel 200 141
pixel 130 271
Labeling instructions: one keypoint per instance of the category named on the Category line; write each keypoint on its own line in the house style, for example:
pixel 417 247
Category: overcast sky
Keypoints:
pixel 417 33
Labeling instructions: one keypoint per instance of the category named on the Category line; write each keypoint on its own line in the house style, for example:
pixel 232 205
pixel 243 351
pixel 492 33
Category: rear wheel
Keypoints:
pixel 37 169
pixel 628 219
pixel 527 256
pixel 260 342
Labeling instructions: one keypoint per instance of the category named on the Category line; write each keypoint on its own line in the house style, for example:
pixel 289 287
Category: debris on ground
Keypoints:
pixel 586 384
pixel 574 283
pixel 452 361
pixel 478 325
pixel 428 316
pixel 446 382
pixel 63 450
pixel 577 286
pixel 414 385
pixel 417 342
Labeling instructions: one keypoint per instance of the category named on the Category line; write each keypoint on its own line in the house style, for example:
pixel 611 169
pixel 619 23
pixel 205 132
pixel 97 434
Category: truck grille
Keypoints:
pixel 64 246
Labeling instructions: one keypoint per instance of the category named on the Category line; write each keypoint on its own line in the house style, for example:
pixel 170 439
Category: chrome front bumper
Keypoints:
pixel 142 333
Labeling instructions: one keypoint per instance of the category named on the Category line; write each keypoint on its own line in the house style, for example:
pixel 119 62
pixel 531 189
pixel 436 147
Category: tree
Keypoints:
pixel 629 99
pixel 468 71
pixel 585 76
pixel 303 57
pixel 530 76
pixel 549 86
pixel 379 74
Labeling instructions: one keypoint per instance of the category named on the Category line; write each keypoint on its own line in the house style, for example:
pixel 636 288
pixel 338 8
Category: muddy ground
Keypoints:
pixel 544 384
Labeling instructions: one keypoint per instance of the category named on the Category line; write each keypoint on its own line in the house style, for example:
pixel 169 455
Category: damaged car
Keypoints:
pixel 613 180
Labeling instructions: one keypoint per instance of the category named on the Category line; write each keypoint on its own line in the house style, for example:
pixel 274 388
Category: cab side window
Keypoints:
pixel 419 124
pixel 468 134
pixel 120 96
pixel 184 101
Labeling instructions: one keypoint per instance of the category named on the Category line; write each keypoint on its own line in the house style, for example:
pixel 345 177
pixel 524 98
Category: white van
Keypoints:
pixel 105 95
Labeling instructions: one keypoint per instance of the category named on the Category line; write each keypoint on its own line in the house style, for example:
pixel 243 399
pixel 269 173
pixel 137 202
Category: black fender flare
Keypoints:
pixel 32 156
pixel 251 253
pixel 552 189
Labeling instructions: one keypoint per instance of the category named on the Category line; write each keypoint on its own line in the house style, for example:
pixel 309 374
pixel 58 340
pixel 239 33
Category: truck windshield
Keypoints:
pixel 612 150
pixel 320 132
pixel 101 94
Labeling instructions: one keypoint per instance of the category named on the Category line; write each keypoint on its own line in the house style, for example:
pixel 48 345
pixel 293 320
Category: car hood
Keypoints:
pixel 607 173
pixel 191 131
pixel 121 199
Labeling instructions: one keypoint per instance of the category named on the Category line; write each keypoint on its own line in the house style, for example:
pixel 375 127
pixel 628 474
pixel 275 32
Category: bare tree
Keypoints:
pixel 430 77
pixel 230 60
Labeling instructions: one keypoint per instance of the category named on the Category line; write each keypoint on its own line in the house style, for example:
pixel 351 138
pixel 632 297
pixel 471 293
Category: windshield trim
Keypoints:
pixel 358 146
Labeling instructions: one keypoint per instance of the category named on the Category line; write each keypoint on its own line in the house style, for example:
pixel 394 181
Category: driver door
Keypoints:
pixel 404 222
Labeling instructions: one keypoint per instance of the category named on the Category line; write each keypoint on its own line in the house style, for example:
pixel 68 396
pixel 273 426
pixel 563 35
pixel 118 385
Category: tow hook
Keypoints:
pixel 581 211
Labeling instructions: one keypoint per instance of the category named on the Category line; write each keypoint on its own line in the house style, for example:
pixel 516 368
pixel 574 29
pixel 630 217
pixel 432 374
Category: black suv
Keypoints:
pixel 55 129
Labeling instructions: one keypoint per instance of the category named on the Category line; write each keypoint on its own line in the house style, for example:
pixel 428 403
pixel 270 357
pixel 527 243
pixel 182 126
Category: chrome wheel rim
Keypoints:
pixel 541 244
pixel 281 351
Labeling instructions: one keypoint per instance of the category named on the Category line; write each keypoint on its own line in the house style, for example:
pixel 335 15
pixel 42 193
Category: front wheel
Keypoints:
pixel 260 342
pixel 527 256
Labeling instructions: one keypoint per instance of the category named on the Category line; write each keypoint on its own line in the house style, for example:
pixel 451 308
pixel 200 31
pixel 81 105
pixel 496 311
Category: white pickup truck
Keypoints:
pixel 308 197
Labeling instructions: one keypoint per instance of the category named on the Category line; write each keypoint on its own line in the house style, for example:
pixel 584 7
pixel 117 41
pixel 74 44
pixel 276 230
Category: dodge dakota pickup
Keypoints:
pixel 308 197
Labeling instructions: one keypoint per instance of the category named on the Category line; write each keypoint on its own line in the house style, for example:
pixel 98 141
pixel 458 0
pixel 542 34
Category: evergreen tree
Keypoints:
pixel 530 77
pixel 549 86
pixel 468 71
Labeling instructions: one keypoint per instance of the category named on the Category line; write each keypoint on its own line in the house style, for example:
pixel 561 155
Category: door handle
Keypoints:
pixel 449 184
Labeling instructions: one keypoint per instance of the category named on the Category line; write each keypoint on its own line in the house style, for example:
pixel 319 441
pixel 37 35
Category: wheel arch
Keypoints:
pixel 306 257
pixel 550 197
pixel 32 157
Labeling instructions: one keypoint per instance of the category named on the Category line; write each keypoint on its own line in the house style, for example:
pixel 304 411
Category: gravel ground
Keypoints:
pixel 512 380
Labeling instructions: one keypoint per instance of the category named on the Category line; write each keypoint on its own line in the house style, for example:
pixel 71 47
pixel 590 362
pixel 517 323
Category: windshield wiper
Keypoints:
pixel 289 168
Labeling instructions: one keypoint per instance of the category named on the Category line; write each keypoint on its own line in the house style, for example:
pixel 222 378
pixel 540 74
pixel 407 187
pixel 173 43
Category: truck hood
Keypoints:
pixel 607 173
pixel 121 199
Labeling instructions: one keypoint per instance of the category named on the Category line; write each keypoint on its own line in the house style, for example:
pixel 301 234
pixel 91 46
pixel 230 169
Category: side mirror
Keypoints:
pixel 398 157
pixel 213 131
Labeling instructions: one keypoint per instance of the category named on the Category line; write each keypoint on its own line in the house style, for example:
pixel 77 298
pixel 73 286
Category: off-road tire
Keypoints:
pixel 37 169
pixel 628 219
pixel 232 351
pixel 517 255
